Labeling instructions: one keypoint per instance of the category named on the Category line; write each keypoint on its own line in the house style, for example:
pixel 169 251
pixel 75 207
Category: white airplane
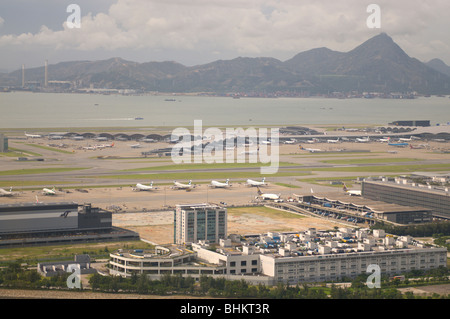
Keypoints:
pixel 314 140
pixel 6 193
pixel 291 141
pixel 384 140
pixel 352 192
pixel 403 139
pixel 311 150
pixel 333 141
pixel 267 196
pixel 142 187
pixel 48 191
pixel 136 145
pixel 363 140
pixel 33 135
pixel 177 185
pixel 217 184
pixel 92 148
pixel 251 182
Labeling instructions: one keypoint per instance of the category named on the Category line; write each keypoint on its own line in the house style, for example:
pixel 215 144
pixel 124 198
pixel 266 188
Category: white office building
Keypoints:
pixel 197 222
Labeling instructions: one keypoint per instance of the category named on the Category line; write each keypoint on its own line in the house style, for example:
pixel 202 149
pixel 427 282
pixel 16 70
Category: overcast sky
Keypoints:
pixel 200 31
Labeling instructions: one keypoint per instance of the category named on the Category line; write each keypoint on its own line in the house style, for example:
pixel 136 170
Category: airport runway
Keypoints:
pixel 122 161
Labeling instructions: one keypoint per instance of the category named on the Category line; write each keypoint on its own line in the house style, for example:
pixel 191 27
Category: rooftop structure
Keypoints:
pixel 295 257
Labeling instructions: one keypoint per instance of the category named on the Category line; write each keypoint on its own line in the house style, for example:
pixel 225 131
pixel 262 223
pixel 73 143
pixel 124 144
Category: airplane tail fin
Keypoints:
pixel 264 179
pixel 259 191
pixel 190 182
pixel 344 187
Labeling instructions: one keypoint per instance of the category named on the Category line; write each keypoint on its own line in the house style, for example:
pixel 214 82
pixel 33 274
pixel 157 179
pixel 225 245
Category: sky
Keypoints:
pixel 194 32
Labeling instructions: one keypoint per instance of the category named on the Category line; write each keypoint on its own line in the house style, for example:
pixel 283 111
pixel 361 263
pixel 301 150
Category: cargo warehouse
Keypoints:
pixel 45 223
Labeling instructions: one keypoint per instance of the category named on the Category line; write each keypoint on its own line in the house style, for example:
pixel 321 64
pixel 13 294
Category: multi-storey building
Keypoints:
pixel 196 222
pixel 290 258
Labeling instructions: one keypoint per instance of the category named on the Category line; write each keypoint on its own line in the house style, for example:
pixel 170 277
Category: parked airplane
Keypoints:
pixel 312 150
pixel 136 145
pixel 398 144
pixel 403 139
pixel 177 185
pixel 6 193
pixel 333 141
pixel 251 182
pixel 142 187
pixel 314 140
pixel 352 192
pixel 385 139
pixel 48 191
pixel 217 184
pixel 291 141
pixel 33 135
pixel 363 140
pixel 416 147
pixel 267 196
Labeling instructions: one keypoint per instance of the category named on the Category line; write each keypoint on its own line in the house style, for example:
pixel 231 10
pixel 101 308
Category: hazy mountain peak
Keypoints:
pixel 378 64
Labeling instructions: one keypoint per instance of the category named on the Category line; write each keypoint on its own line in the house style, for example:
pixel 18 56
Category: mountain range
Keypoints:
pixel 377 65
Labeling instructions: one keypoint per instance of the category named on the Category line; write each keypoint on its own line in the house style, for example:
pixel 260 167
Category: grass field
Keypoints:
pixel 40 170
pixel 48 148
pixel 200 166
pixel 198 175
pixel 262 211
pixel 16 152
pixel 388 168
pixel 65 252
pixel 371 160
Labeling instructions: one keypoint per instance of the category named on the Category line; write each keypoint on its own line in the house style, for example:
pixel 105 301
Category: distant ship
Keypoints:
pixel 170 100
pixel 138 118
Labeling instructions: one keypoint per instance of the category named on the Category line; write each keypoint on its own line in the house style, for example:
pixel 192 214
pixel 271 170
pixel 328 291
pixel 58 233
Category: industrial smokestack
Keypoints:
pixel 23 75
pixel 46 74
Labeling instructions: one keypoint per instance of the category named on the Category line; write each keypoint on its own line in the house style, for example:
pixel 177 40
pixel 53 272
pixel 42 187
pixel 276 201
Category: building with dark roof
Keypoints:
pixel 409 194
pixel 53 223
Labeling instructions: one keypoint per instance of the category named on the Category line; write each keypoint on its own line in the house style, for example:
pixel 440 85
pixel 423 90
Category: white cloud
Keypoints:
pixel 247 27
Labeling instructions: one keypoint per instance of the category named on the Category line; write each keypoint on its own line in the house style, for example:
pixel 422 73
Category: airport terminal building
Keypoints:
pixel 409 194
